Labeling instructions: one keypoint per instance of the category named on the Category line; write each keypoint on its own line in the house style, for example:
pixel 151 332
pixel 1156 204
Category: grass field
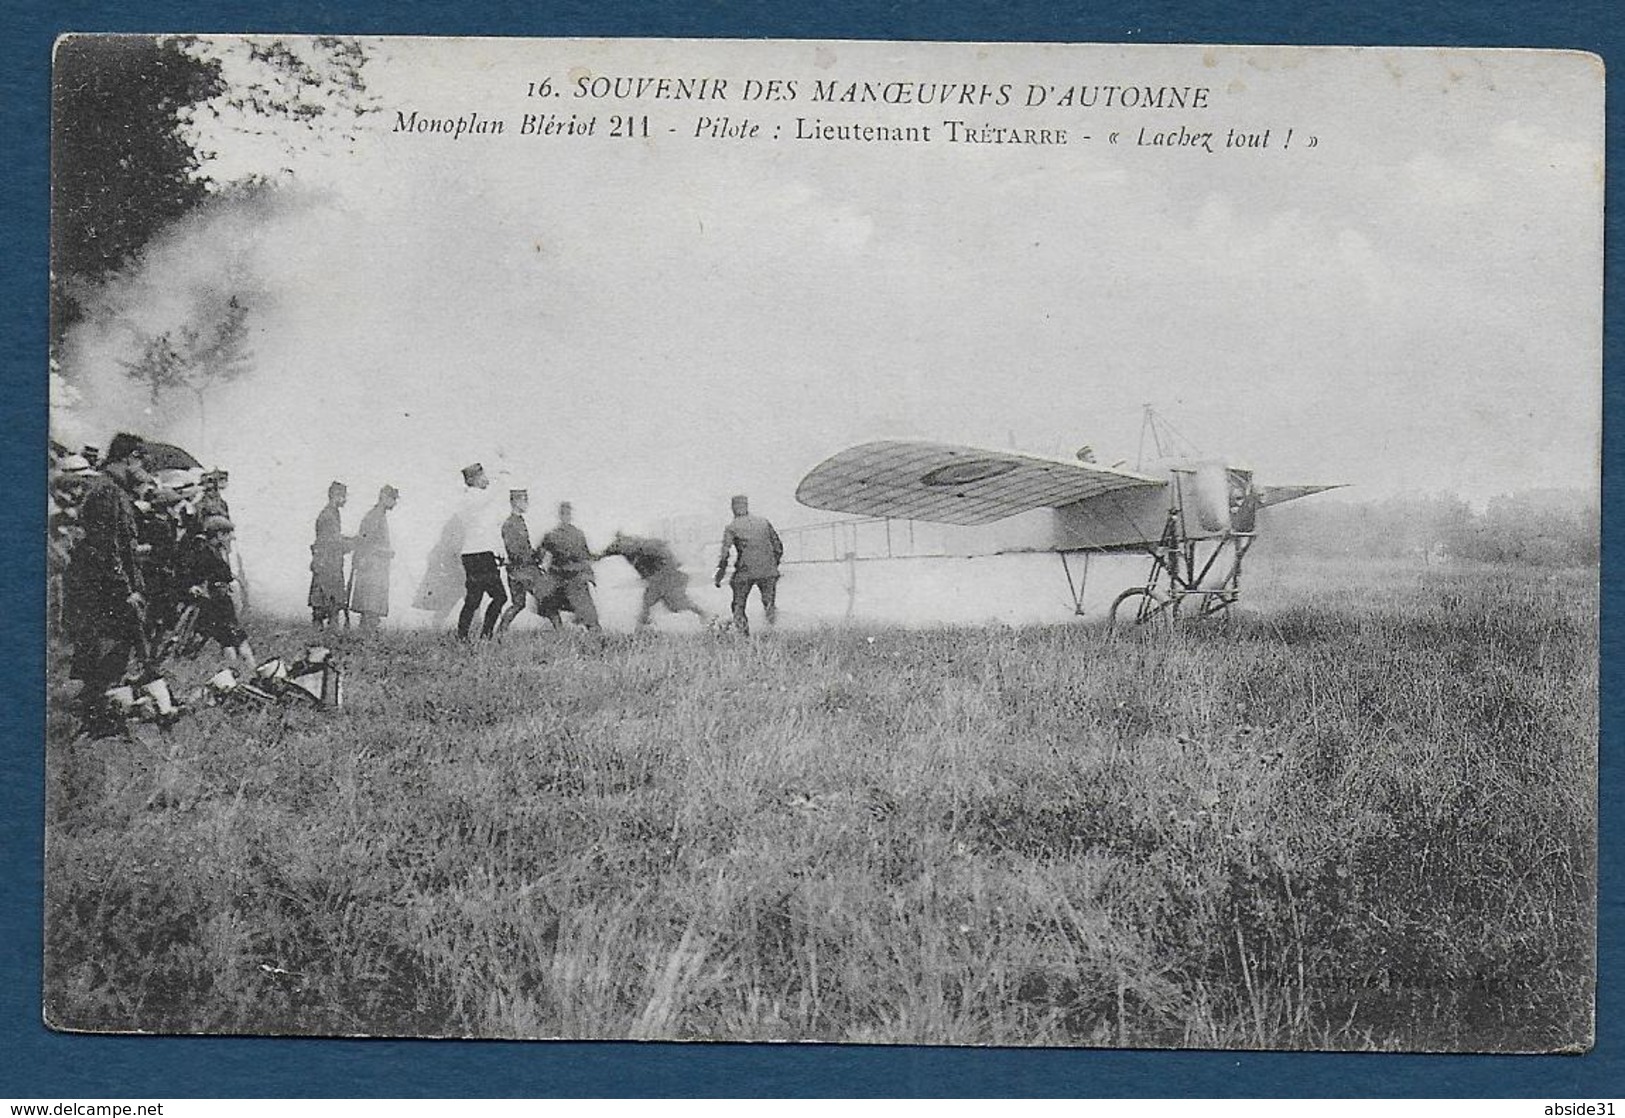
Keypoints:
pixel 1363 817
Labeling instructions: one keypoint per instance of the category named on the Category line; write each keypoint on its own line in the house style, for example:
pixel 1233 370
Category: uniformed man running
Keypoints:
pixel 757 563
pixel 569 560
pixel 664 580
pixel 524 565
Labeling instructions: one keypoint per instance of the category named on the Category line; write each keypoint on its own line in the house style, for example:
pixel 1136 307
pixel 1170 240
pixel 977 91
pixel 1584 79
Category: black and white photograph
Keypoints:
pixel 886 543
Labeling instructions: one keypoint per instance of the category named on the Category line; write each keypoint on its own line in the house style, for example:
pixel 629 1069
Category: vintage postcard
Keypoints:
pixel 929 543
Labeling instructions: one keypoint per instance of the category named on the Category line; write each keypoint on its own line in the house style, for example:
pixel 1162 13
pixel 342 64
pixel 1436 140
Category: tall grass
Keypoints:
pixel 1363 820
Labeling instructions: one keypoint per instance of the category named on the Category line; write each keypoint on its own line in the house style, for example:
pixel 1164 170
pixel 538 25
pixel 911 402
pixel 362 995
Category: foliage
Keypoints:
pixel 1363 820
pixel 1548 527
pixel 195 356
pixel 1552 528
pixel 120 169
pixel 315 84
pixel 133 149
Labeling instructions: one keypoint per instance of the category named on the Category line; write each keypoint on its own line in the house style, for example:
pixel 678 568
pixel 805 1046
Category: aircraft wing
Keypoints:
pixel 1280 494
pixel 949 484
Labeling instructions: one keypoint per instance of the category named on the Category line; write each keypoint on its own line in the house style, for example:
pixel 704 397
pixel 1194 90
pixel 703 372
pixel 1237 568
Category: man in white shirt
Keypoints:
pixel 482 542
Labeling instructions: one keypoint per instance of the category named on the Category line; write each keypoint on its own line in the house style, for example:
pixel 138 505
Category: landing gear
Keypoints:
pixel 1192 575
pixel 1189 577
pixel 1139 605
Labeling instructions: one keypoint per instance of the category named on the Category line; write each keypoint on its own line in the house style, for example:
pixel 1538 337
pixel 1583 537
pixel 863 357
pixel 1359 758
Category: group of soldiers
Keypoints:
pixel 555 573
pixel 139 565
pixel 366 592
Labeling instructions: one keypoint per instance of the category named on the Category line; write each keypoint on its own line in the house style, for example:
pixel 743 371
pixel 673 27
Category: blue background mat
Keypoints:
pixel 35 1063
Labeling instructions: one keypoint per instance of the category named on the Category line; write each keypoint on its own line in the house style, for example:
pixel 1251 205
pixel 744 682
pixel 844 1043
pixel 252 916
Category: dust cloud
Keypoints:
pixel 342 380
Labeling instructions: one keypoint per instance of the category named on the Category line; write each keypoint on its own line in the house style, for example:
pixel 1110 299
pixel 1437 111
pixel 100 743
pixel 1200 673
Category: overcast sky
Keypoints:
pixel 645 326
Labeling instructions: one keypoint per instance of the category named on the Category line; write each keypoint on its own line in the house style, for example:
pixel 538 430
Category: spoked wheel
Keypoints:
pixel 1139 607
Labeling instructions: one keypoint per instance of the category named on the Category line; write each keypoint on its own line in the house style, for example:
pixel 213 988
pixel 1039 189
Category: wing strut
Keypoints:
pixel 1083 580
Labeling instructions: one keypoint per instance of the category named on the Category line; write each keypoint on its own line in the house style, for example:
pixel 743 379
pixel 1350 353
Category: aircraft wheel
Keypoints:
pixel 1139 606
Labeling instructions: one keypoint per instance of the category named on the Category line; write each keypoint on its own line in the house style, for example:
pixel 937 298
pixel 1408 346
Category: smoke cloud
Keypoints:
pixel 644 329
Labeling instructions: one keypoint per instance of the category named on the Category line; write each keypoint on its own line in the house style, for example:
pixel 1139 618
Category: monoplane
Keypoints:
pixel 1195 518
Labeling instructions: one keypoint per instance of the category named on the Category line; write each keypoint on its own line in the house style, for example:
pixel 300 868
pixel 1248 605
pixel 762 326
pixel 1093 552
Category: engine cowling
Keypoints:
pixel 1207 495
pixel 1215 498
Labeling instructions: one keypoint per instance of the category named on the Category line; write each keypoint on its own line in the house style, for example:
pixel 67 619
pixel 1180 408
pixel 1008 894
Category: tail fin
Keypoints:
pixel 1280 494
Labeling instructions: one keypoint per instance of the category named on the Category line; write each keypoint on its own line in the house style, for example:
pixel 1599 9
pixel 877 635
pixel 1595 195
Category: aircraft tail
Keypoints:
pixel 1280 494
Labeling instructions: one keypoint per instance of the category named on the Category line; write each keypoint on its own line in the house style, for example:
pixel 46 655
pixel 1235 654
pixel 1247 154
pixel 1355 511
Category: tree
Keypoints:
pixel 120 169
pixel 135 124
pixel 211 350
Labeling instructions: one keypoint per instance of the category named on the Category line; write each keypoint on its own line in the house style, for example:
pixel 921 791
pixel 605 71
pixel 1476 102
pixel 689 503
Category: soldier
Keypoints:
pixel 205 569
pixel 70 479
pixel 75 468
pixel 757 563
pixel 569 560
pixel 71 475
pixel 369 566
pixel 482 536
pixel 103 603
pixel 664 580
pixel 524 565
pixel 160 529
pixel 327 596
pixel 213 501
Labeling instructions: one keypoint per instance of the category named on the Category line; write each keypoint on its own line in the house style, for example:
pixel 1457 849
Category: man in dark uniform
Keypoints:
pixel 160 528
pixel 104 608
pixel 327 592
pixel 569 560
pixel 370 562
pixel 757 563
pixel 525 577
pixel 206 571
pixel 481 538
pixel 213 501
pixel 664 580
